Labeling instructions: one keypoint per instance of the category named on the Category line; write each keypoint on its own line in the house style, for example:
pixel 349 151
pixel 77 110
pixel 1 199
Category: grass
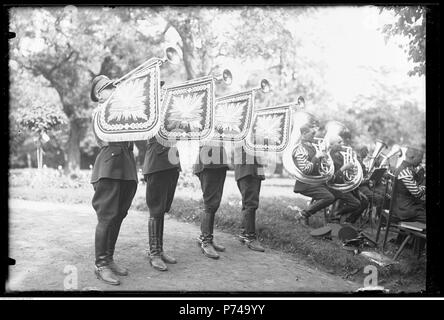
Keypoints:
pixel 276 225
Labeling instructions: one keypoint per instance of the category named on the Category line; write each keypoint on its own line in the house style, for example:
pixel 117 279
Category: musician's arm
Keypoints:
pixel 406 177
pixel 302 162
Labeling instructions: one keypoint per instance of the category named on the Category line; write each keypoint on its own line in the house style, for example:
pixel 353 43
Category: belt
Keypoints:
pixel 126 144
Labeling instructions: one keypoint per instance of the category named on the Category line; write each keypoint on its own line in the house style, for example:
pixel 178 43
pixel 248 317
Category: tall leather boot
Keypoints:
pixel 101 267
pixel 154 240
pixel 112 239
pixel 166 258
pixel 215 245
pixel 205 240
pixel 248 235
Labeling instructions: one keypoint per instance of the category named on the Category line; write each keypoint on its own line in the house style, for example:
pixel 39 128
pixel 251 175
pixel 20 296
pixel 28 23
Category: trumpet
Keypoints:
pixel 171 55
pixel 264 86
pixel 225 77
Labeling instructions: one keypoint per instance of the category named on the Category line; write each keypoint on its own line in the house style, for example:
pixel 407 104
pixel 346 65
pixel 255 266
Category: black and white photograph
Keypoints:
pixel 217 150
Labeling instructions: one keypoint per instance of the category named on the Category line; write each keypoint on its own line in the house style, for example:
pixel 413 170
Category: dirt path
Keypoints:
pixel 50 240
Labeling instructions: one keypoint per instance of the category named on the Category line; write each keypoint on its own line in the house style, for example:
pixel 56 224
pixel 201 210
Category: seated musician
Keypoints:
pixel 373 191
pixel 410 196
pixel 307 159
pixel 352 203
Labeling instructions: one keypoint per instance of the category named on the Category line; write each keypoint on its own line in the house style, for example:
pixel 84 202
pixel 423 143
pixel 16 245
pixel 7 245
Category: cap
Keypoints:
pixel 99 83
pixel 413 153
pixel 323 232
pixel 347 233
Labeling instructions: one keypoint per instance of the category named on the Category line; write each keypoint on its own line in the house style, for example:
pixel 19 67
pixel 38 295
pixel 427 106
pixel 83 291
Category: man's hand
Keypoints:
pixel 320 154
pixel 347 166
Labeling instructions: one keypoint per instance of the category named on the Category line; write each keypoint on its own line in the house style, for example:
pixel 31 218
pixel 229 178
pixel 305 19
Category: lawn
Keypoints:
pixel 276 225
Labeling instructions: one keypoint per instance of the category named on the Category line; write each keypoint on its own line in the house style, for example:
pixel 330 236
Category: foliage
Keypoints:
pixel 411 24
pixel 58 51
pixel 41 118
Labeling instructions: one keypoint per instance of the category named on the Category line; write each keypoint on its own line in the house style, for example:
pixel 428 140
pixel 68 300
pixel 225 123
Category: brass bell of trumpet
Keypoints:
pixel 301 119
pixel 225 76
pixel 265 86
pixel 171 55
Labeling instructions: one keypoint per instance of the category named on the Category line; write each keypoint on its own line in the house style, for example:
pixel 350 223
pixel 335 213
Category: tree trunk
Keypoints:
pixel 188 49
pixel 73 148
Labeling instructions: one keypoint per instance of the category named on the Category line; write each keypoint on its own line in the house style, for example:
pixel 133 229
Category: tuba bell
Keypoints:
pixel 354 177
pixel 379 146
pixel 326 170
pixel 395 151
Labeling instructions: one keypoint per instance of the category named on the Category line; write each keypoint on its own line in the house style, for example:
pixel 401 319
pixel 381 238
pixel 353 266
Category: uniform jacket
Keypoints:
pixel 198 167
pixel 304 158
pixel 156 158
pixel 115 161
pixel 246 168
pixel 410 196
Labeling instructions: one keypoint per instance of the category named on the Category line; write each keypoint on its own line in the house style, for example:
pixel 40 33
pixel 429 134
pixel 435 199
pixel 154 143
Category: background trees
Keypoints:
pixel 58 50
pixel 411 24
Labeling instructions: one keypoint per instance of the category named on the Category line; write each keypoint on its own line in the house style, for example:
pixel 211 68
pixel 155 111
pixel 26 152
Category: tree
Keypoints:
pixel 411 24
pixel 69 46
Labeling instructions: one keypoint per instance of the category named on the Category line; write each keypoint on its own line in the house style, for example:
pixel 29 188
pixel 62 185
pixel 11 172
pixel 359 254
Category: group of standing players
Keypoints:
pixel 115 180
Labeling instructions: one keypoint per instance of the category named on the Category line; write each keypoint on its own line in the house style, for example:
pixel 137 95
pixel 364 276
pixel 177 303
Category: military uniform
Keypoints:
pixel 211 173
pixel 305 159
pixel 351 201
pixel 114 178
pixel 410 196
pixel 248 173
pixel 161 176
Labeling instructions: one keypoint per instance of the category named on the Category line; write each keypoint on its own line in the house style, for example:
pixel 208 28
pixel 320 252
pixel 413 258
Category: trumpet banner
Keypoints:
pixel 187 111
pixel 270 130
pixel 233 115
pixel 132 111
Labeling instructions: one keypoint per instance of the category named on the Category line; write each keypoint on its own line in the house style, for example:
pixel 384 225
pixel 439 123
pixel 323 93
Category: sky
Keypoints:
pixel 352 43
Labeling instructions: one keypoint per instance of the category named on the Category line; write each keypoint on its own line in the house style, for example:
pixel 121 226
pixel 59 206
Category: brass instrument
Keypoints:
pixel 171 55
pixel 354 177
pixel 321 146
pixel 225 76
pixel 326 171
pixel 379 146
pixel 264 86
pixel 395 151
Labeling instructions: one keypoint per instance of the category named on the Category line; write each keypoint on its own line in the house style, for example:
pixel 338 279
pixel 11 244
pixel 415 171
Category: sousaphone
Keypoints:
pixel 326 169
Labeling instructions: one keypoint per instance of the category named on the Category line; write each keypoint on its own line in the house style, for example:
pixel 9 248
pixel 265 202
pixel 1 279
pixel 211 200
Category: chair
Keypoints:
pixel 393 222
pixel 416 235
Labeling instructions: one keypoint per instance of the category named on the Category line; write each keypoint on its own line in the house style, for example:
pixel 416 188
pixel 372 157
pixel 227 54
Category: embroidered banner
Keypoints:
pixel 132 111
pixel 187 111
pixel 270 130
pixel 232 120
